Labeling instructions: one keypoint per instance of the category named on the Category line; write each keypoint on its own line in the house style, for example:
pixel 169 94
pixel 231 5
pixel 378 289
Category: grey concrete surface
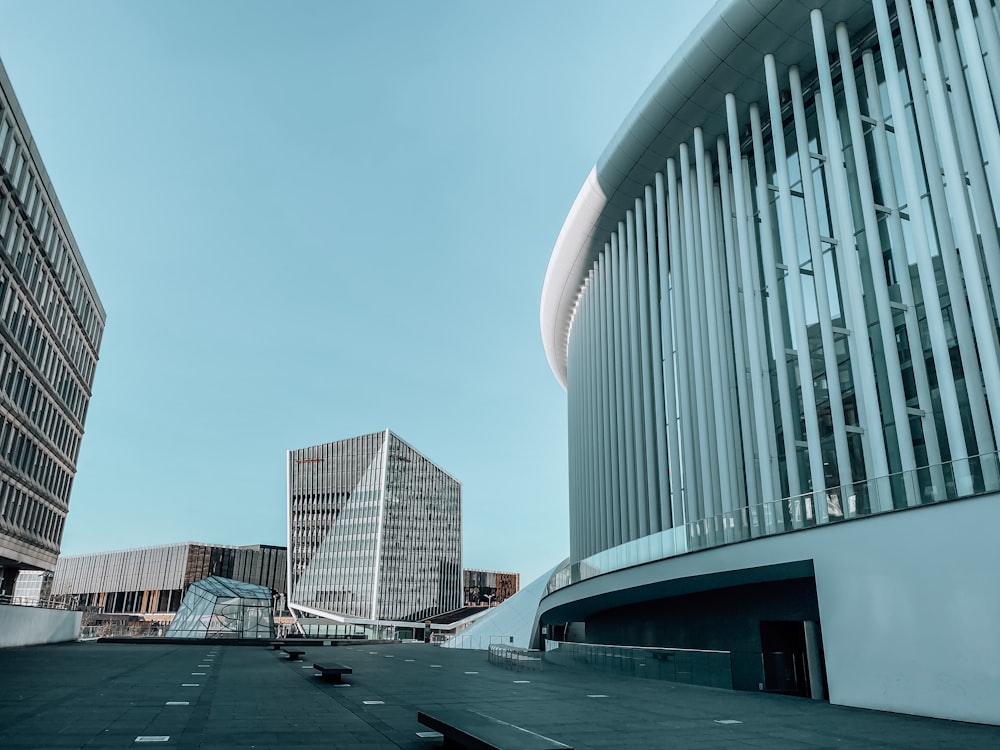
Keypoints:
pixel 212 696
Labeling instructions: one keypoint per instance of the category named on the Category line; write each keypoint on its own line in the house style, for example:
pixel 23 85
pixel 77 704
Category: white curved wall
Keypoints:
pixel 908 604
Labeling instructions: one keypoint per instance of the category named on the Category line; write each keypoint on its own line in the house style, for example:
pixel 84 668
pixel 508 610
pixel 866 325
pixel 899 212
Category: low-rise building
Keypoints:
pixel 152 580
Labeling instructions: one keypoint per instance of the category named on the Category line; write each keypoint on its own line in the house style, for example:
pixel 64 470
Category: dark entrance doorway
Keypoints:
pixel 786 656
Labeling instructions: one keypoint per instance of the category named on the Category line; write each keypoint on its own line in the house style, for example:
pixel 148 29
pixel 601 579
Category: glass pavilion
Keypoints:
pixel 217 607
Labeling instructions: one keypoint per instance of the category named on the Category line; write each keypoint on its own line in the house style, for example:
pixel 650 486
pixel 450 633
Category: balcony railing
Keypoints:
pixel 927 485
pixel 32 601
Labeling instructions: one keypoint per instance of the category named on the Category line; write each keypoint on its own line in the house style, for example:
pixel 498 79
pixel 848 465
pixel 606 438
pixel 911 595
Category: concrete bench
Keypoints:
pixel 332 672
pixel 464 728
pixel 276 644
pixel 294 654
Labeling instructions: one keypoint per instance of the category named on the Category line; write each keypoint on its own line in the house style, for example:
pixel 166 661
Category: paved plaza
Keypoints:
pixel 213 696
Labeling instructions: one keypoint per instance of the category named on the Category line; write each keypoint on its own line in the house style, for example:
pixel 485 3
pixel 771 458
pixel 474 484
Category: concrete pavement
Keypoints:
pixel 213 696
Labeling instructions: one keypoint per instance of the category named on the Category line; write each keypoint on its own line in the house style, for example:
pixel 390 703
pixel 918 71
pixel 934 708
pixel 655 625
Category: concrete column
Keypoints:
pixel 655 259
pixel 793 291
pixel 666 247
pixel 814 660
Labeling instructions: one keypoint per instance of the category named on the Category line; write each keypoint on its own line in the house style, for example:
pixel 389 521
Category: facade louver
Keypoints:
pixel 51 325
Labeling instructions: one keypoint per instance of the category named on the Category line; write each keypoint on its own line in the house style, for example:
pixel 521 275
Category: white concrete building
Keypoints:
pixel 774 308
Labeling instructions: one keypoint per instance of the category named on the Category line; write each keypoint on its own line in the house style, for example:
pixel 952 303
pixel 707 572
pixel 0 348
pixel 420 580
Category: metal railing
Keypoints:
pixel 30 601
pixel 478 642
pixel 517 659
pixel 690 666
pixel 928 485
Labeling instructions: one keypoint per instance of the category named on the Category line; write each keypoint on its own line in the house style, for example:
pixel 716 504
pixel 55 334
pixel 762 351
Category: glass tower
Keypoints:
pixel 374 532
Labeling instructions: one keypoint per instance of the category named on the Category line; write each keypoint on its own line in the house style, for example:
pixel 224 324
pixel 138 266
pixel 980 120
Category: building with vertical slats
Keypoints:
pixel 488 587
pixel 153 580
pixel 374 535
pixel 51 325
pixel 774 306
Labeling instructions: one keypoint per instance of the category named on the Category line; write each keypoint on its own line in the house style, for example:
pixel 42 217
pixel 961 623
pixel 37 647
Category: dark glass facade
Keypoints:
pixel 374 531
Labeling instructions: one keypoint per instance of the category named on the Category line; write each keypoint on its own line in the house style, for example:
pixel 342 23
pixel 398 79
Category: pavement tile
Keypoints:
pixel 107 694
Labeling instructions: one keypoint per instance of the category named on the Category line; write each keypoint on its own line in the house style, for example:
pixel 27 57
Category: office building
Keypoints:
pixel 487 588
pixel 151 581
pixel 51 323
pixel 374 535
pixel 773 305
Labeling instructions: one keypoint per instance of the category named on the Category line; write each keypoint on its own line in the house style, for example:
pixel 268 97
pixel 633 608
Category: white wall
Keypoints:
pixel 28 626
pixel 910 611
pixel 909 604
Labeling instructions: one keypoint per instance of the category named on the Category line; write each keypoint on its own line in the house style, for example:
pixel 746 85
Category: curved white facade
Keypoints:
pixel 774 304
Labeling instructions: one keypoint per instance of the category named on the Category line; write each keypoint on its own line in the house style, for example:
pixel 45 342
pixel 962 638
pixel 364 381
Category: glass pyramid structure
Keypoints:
pixel 217 607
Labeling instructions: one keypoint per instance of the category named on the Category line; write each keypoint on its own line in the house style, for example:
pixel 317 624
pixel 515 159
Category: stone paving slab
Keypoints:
pixel 104 695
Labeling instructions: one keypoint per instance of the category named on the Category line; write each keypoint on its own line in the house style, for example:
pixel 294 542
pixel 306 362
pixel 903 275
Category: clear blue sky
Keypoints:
pixel 312 220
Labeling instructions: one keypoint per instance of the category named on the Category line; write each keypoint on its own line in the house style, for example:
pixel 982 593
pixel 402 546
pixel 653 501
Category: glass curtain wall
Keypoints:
pixel 375 531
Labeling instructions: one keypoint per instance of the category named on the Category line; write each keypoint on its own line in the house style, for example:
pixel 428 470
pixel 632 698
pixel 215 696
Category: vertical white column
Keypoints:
pixel 621 461
pixel 745 435
pixel 585 435
pixel 977 167
pixel 830 365
pixel 654 259
pixel 793 292
pixel 686 401
pixel 625 370
pixel 886 329
pixel 991 39
pixel 977 163
pixel 714 334
pixel 614 517
pixel 637 435
pixel 590 432
pixel 575 373
pixel 928 151
pixel 706 488
pixel 646 370
pixel 985 124
pixel 786 389
pixel 769 491
pixel 582 499
pixel 596 422
pixel 666 248
pixel 606 435
pixel 727 363
pixel 850 277
pixel 901 268
pixel 762 342
pixel 960 211
pixel 572 397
